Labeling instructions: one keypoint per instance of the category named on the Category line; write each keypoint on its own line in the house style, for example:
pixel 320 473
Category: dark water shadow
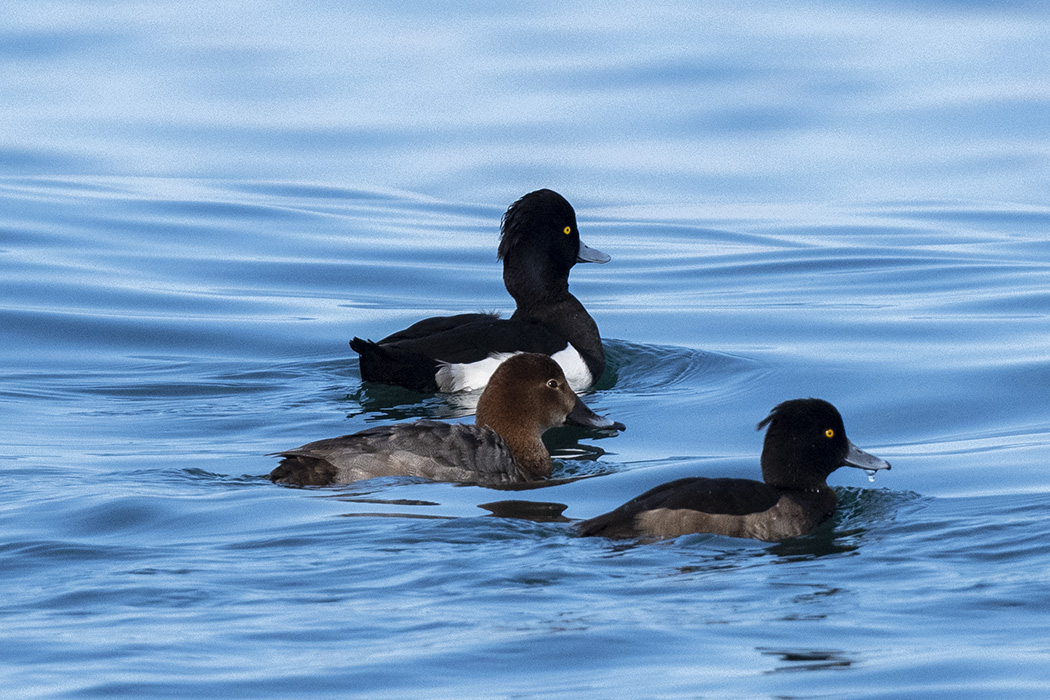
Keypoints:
pixel 796 660
pixel 533 511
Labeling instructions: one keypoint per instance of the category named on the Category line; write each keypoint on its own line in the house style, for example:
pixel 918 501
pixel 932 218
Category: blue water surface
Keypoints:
pixel 201 203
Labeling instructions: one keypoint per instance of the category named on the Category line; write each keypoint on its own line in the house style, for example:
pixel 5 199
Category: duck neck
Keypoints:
pixel 528 450
pixel 796 481
pixel 534 462
pixel 820 498
pixel 532 275
pixel 540 289
pixel 821 490
pixel 791 477
pixel 566 317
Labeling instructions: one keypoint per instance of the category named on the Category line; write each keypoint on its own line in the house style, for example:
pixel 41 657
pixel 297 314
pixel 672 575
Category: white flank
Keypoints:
pixel 475 375
pixel 467 377
pixel 574 367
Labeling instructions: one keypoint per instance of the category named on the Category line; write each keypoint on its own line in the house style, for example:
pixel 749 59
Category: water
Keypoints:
pixel 201 204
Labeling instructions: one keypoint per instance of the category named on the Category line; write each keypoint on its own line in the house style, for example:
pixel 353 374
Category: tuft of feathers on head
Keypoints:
pixel 797 407
pixel 515 222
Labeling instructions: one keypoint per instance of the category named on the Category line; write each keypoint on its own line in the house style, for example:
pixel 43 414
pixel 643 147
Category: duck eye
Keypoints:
pixel 567 230
pixel 829 433
pixel 552 383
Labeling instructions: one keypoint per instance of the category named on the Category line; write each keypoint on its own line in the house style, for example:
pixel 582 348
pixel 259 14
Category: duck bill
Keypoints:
pixel 588 254
pixel 582 415
pixel 860 459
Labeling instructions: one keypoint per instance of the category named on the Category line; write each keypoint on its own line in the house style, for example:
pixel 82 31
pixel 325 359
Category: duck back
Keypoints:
pixel 721 506
pixel 429 449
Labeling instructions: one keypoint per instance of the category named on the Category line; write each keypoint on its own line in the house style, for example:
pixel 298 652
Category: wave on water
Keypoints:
pixel 667 370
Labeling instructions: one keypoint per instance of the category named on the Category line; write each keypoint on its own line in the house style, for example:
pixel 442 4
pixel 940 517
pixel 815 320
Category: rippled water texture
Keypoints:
pixel 200 204
pixel 612 101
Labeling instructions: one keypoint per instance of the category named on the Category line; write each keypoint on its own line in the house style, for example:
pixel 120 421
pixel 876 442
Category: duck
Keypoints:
pixel 527 395
pixel 539 244
pixel 805 442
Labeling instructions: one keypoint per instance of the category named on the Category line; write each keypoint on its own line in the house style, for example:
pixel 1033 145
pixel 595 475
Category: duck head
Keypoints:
pixel 805 442
pixel 540 243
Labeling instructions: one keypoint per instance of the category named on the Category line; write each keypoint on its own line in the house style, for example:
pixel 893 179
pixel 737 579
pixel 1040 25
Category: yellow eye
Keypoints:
pixel 829 433
pixel 567 230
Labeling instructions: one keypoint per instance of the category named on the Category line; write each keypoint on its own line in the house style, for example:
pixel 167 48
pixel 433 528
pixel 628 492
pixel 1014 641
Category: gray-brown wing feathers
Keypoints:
pixel 429 449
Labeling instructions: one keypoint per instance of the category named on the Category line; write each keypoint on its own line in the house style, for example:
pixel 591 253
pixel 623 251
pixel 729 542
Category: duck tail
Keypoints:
pixel 612 525
pixel 373 357
pixel 362 346
pixel 301 470
pixel 390 365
